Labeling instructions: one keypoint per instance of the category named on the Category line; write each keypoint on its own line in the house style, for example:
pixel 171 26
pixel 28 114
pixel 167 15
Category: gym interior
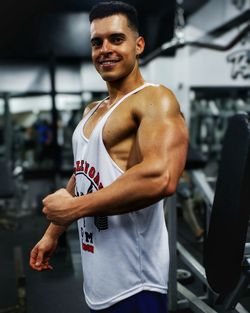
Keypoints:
pixel 200 49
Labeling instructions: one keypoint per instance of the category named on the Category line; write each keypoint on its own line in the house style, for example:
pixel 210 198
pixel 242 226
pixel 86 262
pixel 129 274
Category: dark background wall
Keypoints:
pixel 31 28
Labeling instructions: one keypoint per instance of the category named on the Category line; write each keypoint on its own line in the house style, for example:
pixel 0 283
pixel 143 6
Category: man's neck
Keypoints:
pixel 119 88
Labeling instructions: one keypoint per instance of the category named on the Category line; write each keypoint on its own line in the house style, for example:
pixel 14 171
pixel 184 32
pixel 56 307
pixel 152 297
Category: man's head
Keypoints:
pixel 109 8
pixel 116 44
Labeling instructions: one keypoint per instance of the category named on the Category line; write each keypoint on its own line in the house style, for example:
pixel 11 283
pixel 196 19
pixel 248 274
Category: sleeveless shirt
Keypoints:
pixel 121 254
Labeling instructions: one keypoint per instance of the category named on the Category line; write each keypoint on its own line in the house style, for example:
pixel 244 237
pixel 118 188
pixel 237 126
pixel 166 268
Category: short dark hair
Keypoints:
pixel 109 8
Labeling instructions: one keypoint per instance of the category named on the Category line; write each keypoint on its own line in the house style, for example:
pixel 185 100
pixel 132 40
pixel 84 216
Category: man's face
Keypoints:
pixel 114 47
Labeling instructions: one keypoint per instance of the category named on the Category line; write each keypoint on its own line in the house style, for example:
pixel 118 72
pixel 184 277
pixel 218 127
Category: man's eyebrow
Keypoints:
pixel 117 35
pixel 111 35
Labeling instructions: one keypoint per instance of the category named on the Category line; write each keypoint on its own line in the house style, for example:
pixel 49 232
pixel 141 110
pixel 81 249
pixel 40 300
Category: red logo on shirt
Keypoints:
pixel 83 167
pixel 88 248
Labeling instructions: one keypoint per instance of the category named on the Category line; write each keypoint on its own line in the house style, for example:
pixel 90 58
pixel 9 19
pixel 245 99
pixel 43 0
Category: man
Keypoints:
pixel 129 152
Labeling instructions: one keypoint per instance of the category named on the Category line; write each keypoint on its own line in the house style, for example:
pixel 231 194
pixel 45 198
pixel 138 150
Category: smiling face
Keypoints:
pixel 115 47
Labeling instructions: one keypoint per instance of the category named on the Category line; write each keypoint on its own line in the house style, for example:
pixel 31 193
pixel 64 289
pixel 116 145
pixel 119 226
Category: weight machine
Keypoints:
pixel 226 270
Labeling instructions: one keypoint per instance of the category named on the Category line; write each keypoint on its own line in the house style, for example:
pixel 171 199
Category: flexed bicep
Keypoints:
pixel 162 140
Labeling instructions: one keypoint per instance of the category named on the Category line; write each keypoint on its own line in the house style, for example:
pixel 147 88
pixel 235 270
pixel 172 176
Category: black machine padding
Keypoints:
pixel 224 247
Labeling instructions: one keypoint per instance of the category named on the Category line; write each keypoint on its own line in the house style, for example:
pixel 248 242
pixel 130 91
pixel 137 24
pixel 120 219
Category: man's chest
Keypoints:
pixel 115 127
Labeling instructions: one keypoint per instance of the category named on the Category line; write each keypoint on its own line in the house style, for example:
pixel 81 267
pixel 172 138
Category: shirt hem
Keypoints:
pixel 105 304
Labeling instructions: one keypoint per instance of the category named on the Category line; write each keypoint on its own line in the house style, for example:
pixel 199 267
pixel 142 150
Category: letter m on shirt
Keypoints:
pixel 88 237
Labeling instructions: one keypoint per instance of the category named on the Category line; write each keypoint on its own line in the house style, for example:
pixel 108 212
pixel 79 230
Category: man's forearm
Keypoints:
pixel 55 231
pixel 134 190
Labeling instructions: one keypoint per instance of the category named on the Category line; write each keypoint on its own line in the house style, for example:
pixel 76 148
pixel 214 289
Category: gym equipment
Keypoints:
pixel 6 182
pixel 20 307
pixel 6 192
pixel 180 42
pixel 207 127
pixel 227 272
pixel 184 276
pixel 225 243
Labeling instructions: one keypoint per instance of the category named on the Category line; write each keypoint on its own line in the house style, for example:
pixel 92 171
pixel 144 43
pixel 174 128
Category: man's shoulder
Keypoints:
pixel 157 95
pixel 156 101
pixel 160 90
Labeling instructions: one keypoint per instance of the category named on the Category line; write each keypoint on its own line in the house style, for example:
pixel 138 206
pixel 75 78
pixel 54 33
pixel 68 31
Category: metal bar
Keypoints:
pixel 172 231
pixel 184 303
pixel 42 93
pixel 21 279
pixel 8 132
pixel 192 263
pixel 176 43
pixel 232 299
pixel 233 23
pixel 216 47
pixel 62 59
pixel 54 113
pixel 195 303
pixel 201 182
pixel 241 309
pixel 247 249
pixel 21 282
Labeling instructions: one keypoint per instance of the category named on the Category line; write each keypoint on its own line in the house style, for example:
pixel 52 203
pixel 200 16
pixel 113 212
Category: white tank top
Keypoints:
pixel 121 254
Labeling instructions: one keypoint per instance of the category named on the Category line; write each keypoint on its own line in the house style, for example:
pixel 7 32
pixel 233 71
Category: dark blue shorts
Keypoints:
pixel 142 302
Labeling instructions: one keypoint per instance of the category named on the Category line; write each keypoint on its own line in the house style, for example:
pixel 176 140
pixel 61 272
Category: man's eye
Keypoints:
pixel 117 40
pixel 96 43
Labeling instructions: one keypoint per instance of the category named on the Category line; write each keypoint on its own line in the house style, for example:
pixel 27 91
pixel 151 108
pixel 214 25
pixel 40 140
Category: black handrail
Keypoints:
pixel 176 43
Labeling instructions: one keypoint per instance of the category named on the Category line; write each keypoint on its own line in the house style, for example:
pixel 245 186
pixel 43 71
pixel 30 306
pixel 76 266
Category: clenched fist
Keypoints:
pixel 58 207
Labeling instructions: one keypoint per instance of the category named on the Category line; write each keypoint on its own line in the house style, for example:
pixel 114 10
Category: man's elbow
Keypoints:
pixel 166 185
pixel 170 185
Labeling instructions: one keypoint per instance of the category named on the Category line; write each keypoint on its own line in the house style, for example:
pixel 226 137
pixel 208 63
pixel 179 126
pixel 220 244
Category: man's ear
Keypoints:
pixel 140 44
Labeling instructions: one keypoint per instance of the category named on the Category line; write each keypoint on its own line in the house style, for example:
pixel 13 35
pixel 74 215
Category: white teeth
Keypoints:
pixel 108 62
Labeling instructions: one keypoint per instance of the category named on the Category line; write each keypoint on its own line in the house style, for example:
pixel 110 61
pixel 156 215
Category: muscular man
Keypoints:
pixel 129 153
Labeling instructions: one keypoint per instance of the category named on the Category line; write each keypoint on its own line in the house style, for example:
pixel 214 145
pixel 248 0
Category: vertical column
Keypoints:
pixel 54 113
pixel 172 231
pixel 8 133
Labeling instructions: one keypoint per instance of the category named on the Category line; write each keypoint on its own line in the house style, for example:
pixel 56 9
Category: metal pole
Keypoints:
pixel 8 133
pixel 54 113
pixel 172 231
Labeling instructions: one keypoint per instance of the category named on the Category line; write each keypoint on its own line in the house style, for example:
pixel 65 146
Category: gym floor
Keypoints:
pixel 59 290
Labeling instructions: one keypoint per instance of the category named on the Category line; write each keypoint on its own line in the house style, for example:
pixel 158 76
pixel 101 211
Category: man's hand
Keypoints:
pixel 57 207
pixel 41 253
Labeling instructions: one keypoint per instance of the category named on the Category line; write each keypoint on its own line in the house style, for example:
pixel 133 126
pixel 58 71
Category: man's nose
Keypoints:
pixel 106 47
